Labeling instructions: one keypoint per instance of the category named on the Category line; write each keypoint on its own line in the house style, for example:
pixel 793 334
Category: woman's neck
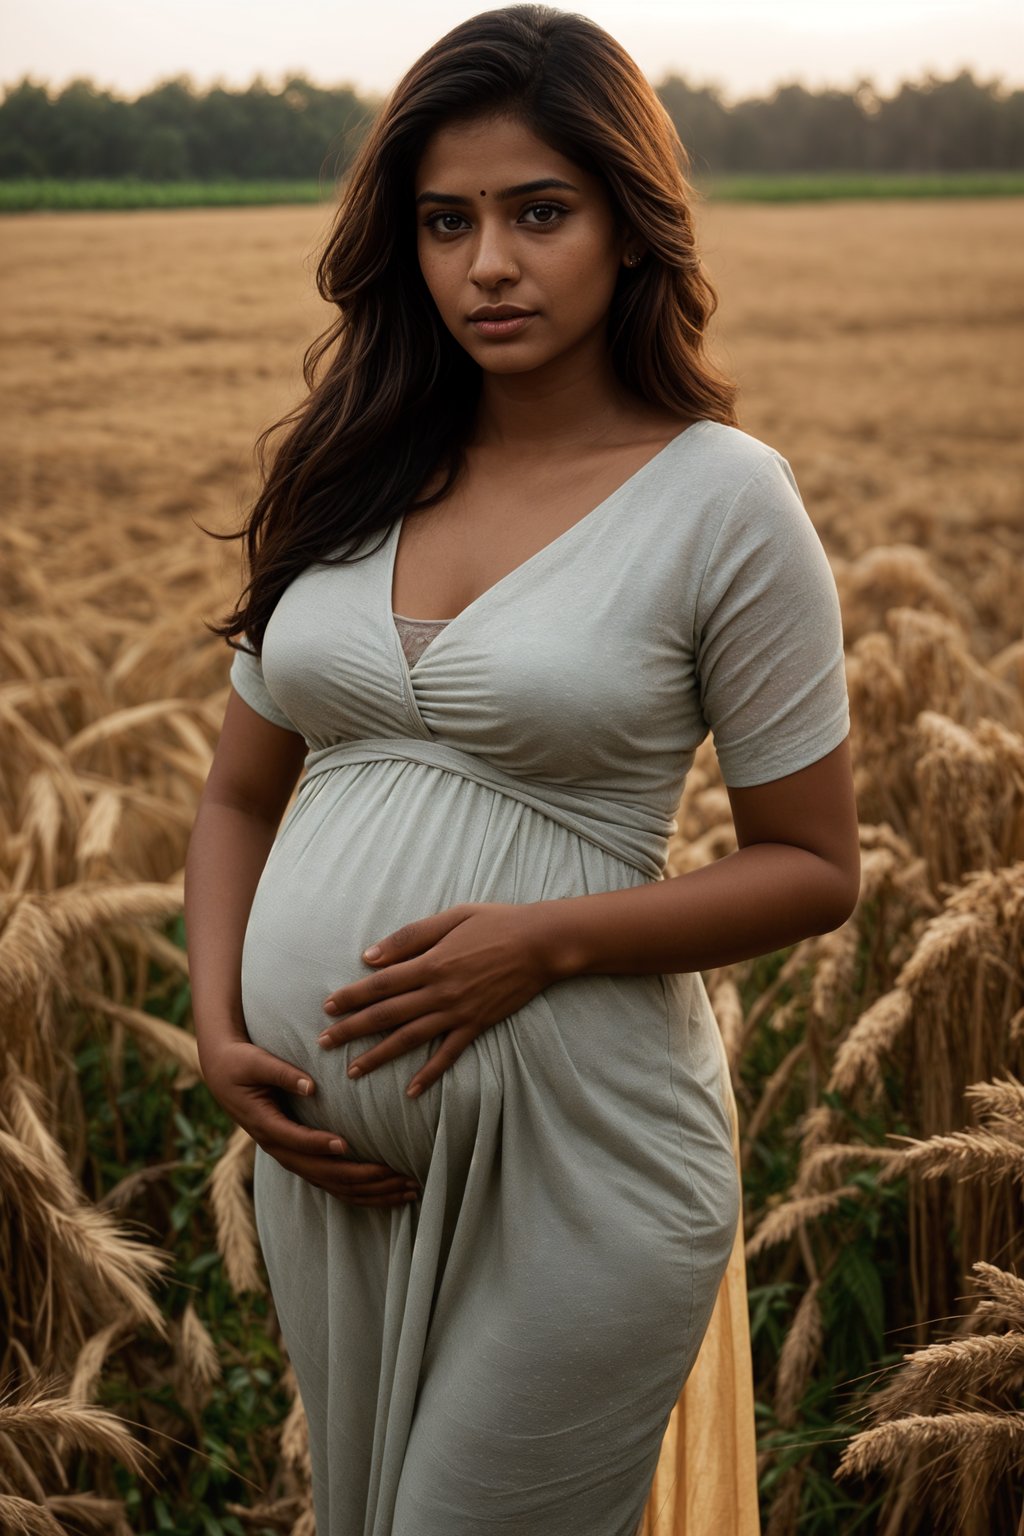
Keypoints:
pixel 555 410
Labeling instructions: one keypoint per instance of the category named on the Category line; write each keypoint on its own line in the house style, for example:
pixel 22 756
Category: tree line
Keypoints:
pixel 302 131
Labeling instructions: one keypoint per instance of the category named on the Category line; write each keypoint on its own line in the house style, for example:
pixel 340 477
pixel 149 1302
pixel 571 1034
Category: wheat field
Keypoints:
pixel 878 1069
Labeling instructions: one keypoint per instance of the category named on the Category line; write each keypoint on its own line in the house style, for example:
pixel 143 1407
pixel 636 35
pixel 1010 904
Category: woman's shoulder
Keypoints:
pixel 709 467
pixel 732 451
pixel 752 513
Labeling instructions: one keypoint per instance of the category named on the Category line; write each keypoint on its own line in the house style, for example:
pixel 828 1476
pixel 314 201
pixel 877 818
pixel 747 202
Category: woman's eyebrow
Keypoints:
pixel 502 196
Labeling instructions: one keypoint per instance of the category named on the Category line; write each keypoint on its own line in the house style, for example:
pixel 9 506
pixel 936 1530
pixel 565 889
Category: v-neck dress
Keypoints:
pixel 503 1355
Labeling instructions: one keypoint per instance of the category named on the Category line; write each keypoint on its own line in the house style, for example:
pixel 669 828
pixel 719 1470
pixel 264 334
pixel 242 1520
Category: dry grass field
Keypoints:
pixel 879 347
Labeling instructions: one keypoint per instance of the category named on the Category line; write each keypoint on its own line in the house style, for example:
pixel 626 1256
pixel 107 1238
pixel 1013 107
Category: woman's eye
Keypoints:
pixel 553 208
pixel 436 220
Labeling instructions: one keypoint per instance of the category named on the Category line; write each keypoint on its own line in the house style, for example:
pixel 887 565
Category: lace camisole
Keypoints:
pixel 416 634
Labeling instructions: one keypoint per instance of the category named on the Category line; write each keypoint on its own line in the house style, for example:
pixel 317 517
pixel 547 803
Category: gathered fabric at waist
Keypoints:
pixel 634 833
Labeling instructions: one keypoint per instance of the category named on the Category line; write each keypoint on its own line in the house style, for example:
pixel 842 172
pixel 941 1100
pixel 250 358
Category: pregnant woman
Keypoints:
pixel 513 560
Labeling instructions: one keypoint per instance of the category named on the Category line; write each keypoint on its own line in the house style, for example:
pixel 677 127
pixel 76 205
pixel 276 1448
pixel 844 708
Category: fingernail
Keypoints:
pixel 325 1040
pixel 330 1007
pixel 337 1146
pixel 414 1090
pixel 372 952
pixel 304 1085
pixel 355 1071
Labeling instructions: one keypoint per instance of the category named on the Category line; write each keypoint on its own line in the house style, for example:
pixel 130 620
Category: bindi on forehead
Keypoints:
pixel 542 184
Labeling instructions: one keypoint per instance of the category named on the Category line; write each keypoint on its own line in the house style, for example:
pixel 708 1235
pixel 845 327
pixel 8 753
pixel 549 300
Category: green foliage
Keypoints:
pixel 825 1508
pixel 925 127
pixel 859 1251
pixel 175 134
pixel 27 196
pixel 831 186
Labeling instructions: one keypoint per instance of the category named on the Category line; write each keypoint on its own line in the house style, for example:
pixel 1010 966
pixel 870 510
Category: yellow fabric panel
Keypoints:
pixel 705 1483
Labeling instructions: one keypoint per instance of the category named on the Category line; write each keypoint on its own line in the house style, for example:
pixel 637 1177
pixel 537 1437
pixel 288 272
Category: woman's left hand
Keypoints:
pixel 453 974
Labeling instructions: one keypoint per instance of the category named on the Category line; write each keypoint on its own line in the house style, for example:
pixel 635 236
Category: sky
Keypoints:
pixel 742 47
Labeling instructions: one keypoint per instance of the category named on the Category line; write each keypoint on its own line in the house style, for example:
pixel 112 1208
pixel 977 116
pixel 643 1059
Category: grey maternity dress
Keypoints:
pixel 503 1356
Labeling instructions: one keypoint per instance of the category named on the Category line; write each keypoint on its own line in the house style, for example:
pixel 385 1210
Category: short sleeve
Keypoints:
pixel 768 636
pixel 247 680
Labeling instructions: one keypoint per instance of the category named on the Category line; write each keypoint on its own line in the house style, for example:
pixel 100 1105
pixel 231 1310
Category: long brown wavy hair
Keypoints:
pixel 397 400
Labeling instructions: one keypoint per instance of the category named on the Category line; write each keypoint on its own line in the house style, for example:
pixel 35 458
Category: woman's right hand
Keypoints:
pixel 243 1078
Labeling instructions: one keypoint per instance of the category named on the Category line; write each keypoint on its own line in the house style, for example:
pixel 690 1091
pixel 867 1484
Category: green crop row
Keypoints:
pixel 27 195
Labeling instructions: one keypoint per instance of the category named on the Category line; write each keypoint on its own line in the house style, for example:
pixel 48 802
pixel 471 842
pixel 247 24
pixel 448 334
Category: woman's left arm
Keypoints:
pixel 796 872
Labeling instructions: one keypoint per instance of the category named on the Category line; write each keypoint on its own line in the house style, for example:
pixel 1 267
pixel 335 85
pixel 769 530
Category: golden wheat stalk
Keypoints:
pixel 800 960
pixel 37 1421
pixel 798 1355
pixel 942 1373
pixel 198 1350
pixel 233 1213
pixel 168 1040
pixel 994 1440
pixel 86 1246
pixel 125 1190
pixel 88 1512
pixel 818 1127
pixel 998 1101
pixel 1005 1300
pixel 282 1515
pixel 932 652
pixel 952 938
pixel 16 1474
pixel 786 1220
pixel 97 834
pixel 21 1517
pixel 161 810
pixel 960 1155
pixel 773 1091
pixel 858 1060
pixel 129 722
pixel 91 1357
pixel 22 1107
pixel 40 928
pixel 818 1162
pixel 162 951
pixel 833 977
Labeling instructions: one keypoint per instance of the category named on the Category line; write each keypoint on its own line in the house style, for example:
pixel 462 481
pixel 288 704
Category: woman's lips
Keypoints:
pixel 501 327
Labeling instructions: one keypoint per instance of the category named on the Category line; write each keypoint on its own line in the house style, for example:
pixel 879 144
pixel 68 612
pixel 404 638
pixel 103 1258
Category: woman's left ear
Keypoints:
pixel 632 249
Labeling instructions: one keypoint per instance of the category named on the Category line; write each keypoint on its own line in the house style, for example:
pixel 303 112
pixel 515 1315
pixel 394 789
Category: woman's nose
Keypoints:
pixel 493 258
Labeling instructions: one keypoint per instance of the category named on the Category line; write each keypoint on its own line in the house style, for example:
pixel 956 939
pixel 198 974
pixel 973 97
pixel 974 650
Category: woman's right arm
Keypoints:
pixel 254 771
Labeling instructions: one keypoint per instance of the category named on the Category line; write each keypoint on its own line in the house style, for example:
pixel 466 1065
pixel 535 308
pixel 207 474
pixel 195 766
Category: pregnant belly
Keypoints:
pixel 364 850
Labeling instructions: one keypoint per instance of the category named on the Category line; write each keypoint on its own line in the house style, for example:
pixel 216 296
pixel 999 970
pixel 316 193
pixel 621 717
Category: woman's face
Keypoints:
pixel 551 250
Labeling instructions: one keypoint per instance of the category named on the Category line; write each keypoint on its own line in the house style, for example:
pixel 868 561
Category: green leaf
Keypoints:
pixel 857 1275
pixel 162 1515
